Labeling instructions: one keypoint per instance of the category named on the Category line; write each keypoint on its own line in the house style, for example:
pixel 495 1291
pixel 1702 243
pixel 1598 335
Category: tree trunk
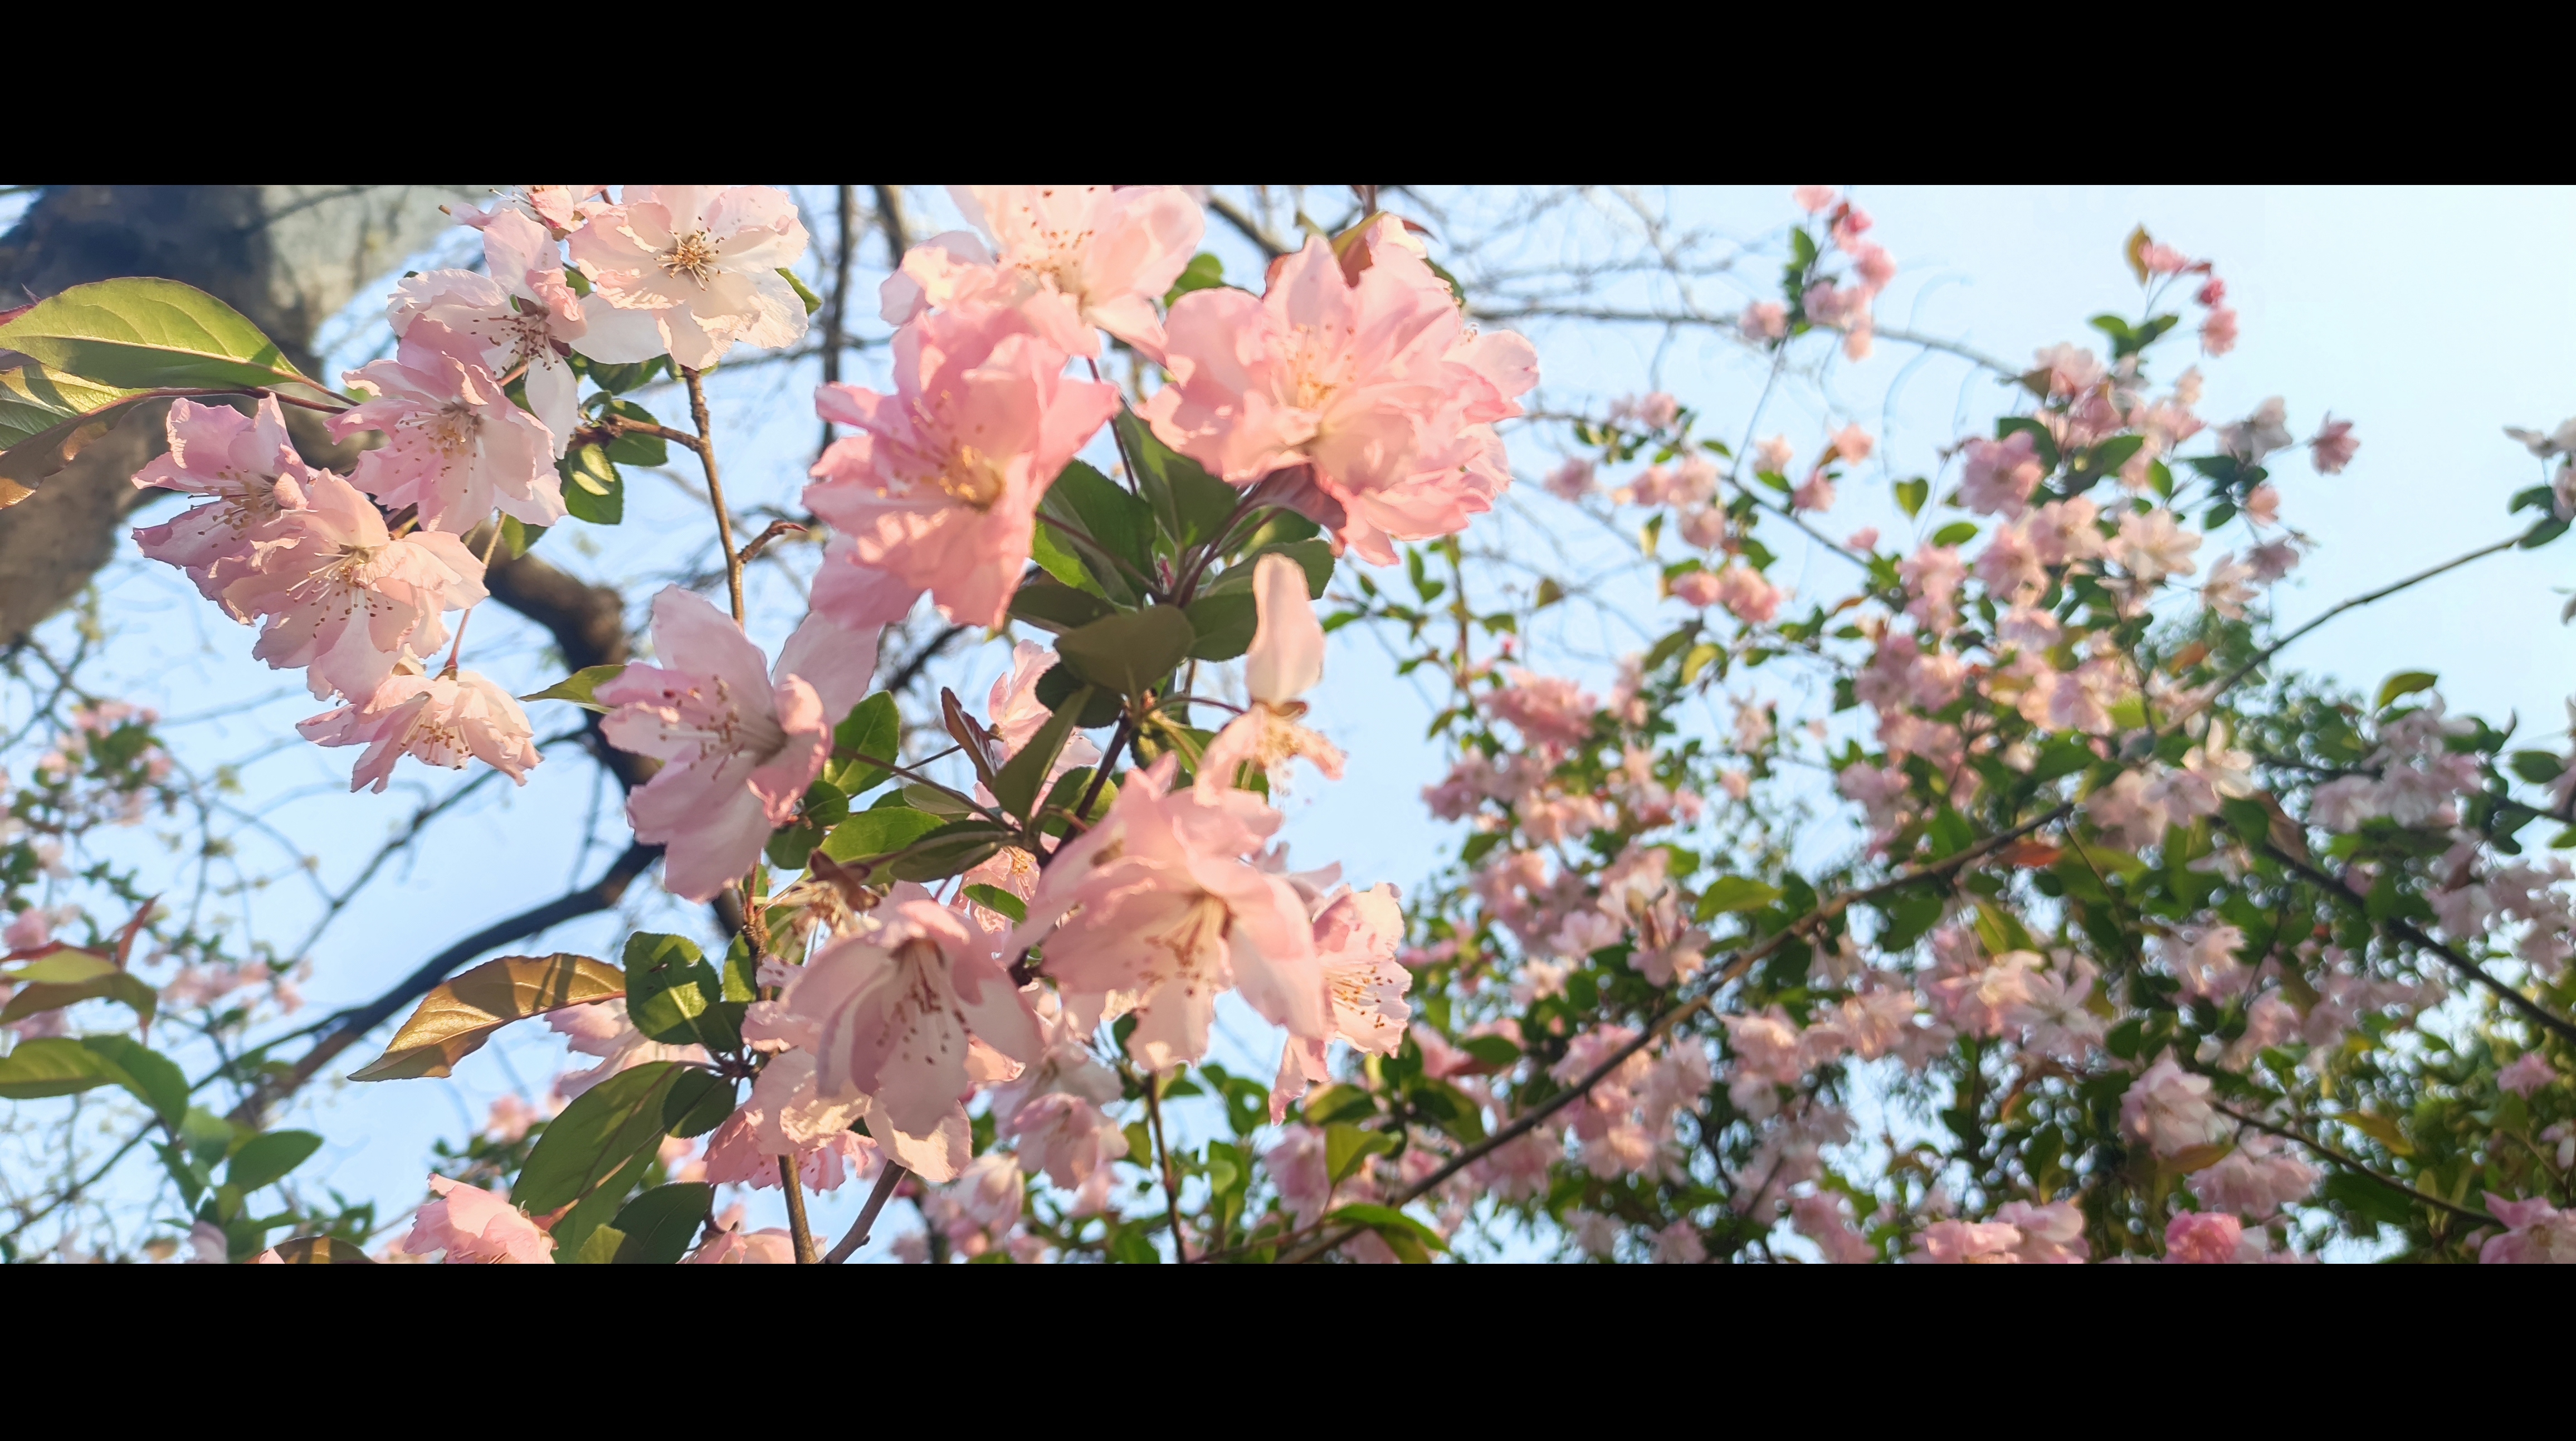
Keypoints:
pixel 287 256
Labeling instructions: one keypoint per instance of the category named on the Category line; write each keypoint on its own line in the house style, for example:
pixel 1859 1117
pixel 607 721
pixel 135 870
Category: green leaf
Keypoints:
pixel 154 1078
pixel 699 1102
pixel 655 1229
pixel 994 898
pixel 1017 787
pixel 455 1019
pixel 1225 625
pixel 581 687
pixel 592 488
pixel 1128 652
pixel 1191 505
pixel 618 379
pixel 600 1247
pixel 62 968
pixel 27 463
pixel 1347 1146
pixel 634 448
pixel 1908 915
pixel 1056 608
pixel 870 835
pixel 1388 1222
pixel 2369 1199
pixel 145 334
pixel 874 727
pixel 1315 557
pixel 812 301
pixel 953 848
pixel 1096 506
pixel 51 1066
pixel 1955 532
pixel 2543 533
pixel 2537 767
pixel 320 1251
pixel 1912 493
pixel 1057 558
pixel 518 537
pixel 2405 682
pixel 1734 893
pixel 266 1158
pixel 603 1129
pixel 2110 455
pixel 34 400
pixel 673 995
pixel 1204 272
pixel 112 985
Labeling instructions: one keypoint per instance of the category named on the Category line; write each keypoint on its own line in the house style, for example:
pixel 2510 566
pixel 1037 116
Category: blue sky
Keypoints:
pixel 2430 318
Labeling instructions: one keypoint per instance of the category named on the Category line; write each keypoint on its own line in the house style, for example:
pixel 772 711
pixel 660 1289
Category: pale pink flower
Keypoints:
pixel 2256 1179
pixel 1073 257
pixel 1016 714
pixel 1373 388
pixel 1954 1243
pixel 788 1115
pixel 1696 588
pixel 2528 1074
pixel 455 446
pixel 344 598
pixel 2158 258
pixel 1851 443
pixel 2333 448
pixel 1836 307
pixel 1164 910
pixel 510 1118
pixel 939 489
pixel 2203 1238
pixel 1873 265
pixel 739 747
pixel 472 1225
pixel 733 1246
pixel 2229 587
pixel 1747 594
pixel 1764 320
pixel 1815 493
pixel 1864 539
pixel 1572 480
pixel 2264 433
pixel 2000 474
pixel 1679 1244
pixel 894 1005
pixel 1286 660
pixel 2218 333
pixel 1815 199
pixel 1549 710
pixel 1356 934
pixel 691 271
pixel 236 459
pixel 602 1029
pixel 1820 1218
pixel 1655 410
pixel 2537 1234
pixel 1772 456
pixel 2072 370
pixel 560 207
pixel 2154 546
pixel 1933 575
pixel 2051 1235
pixel 2167 1109
pixel 2204 960
pixel 520 312
pixel 441 720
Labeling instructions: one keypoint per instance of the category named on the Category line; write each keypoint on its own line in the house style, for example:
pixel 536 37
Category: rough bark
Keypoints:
pixel 287 256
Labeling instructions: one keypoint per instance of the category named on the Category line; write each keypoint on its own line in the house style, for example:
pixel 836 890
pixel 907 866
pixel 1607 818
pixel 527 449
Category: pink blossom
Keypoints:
pixel 1356 934
pixel 343 597
pixel 602 1029
pixel 1549 710
pixel 733 1246
pixel 690 271
pixel 738 747
pixel 2528 1074
pixel 1815 493
pixel 1934 575
pixel 2154 546
pixel 441 720
pixel 1864 539
pixel 1653 411
pixel 1873 265
pixel 1679 1244
pixel 473 1225
pixel 1815 199
pixel 2256 1179
pixel 939 489
pixel 2158 258
pixel 237 459
pixel 2072 370
pixel 560 207
pixel 1836 307
pixel 521 312
pixel 789 1115
pixel 894 1004
pixel 2000 474
pixel 1772 456
pixel 2167 1109
pixel 1696 588
pixel 2218 333
pixel 2203 1238
pixel 2333 448
pixel 1164 910
pixel 1763 320
pixel 1820 1218
pixel 1372 388
pixel 2536 1233
pixel 1747 594
pixel 1073 257
pixel 1572 480
pixel 1286 660
pixel 1954 1243
pixel 2051 1235
pixel 2213 291
pixel 455 446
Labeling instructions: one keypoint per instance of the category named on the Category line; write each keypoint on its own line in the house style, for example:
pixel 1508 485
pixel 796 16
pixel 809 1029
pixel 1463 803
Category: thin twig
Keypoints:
pixel 715 488
pixel 857 1235
pixel 2354 1164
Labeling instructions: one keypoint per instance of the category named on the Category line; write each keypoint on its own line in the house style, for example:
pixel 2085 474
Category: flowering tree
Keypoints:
pixel 2129 943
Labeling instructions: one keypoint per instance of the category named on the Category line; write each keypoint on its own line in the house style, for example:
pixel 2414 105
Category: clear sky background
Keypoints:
pixel 2430 318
